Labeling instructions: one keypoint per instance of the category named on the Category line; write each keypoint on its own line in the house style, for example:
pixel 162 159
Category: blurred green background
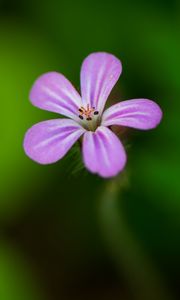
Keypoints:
pixel 67 234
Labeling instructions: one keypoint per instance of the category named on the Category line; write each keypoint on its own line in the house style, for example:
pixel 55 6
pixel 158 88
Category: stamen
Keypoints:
pixel 96 112
pixel 87 112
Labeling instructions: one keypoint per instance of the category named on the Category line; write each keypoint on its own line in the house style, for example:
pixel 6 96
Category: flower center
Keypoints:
pixel 87 112
pixel 89 116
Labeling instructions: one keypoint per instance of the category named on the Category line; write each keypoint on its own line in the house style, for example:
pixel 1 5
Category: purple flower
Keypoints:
pixel 103 153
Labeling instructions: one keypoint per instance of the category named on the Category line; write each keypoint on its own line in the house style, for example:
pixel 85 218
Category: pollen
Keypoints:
pixel 87 112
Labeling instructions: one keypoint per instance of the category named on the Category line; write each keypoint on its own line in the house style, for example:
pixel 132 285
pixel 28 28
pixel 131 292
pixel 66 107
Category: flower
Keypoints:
pixel 103 152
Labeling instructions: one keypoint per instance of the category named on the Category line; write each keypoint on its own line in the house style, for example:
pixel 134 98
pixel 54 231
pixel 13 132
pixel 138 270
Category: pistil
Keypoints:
pixel 89 114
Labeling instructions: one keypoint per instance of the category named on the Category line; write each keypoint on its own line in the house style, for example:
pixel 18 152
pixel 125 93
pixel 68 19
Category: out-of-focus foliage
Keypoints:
pixel 16 276
pixel 20 62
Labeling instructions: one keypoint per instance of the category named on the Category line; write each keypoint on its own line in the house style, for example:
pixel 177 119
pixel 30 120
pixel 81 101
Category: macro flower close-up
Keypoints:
pixel 103 152
pixel 89 188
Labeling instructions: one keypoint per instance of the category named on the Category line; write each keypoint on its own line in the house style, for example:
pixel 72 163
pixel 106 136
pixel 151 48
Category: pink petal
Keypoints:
pixel 137 113
pixel 48 141
pixel 99 73
pixel 53 92
pixel 103 152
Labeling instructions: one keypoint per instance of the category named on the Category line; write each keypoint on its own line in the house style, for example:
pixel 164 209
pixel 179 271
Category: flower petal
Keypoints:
pixel 137 113
pixel 99 73
pixel 48 141
pixel 103 152
pixel 53 92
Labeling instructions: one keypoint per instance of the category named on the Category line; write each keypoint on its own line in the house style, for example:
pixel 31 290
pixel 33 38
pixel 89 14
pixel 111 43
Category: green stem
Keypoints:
pixel 143 279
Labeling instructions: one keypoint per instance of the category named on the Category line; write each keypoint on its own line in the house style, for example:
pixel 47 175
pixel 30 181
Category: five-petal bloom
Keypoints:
pixel 103 153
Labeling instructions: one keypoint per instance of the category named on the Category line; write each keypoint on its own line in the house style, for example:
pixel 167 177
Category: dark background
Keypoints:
pixel 64 233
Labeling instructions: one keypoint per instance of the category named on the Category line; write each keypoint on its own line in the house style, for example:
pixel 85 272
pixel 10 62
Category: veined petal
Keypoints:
pixel 103 152
pixel 99 73
pixel 53 92
pixel 137 113
pixel 48 141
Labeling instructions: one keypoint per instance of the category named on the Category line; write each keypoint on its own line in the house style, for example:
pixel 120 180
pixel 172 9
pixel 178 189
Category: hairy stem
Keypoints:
pixel 144 281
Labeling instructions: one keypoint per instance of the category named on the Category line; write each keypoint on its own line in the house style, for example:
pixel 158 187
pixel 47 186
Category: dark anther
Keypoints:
pixel 81 117
pixel 93 107
pixel 89 119
pixel 96 112
pixel 80 110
